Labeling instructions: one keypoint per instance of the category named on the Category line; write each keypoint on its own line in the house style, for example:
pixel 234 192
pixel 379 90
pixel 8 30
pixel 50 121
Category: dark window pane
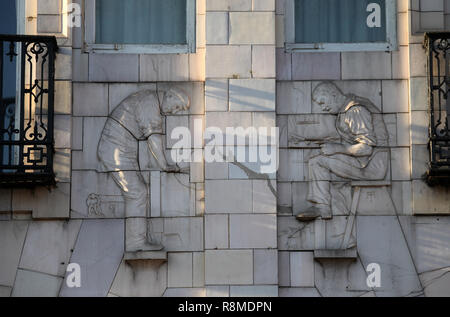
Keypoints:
pixel 141 22
pixel 337 21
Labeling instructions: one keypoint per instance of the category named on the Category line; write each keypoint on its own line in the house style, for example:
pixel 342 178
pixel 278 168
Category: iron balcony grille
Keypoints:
pixel 27 67
pixel 438 47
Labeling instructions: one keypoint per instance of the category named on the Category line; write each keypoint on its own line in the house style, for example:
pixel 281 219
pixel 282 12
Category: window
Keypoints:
pixel 341 25
pixel 140 26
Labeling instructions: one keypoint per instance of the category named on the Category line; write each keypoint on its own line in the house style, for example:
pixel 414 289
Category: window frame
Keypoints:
pixel 90 45
pixel 390 44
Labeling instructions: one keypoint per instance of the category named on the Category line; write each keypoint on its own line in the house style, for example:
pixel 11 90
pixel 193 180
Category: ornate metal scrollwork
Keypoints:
pixel 26 112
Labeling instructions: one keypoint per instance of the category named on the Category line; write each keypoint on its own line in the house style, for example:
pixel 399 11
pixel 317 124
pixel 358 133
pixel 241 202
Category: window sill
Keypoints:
pixel 138 49
pixel 339 47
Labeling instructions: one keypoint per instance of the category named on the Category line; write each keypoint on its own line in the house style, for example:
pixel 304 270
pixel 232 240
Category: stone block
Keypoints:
pixel 420 121
pixel 48 246
pixel 216 95
pixel 175 195
pixel 216 28
pixel 263 61
pixel 436 283
pixel 98 251
pixel 228 267
pixel 427 200
pixel 180 270
pixel 44 203
pixel 298 292
pixel 49 23
pixel 35 284
pixel 5 291
pixel 223 61
pixel 118 92
pixel 265 267
pixel 62 130
pixel 228 5
pixel 284 272
pixel 183 234
pixel 395 96
pixel 252 95
pixel 366 65
pixel 88 158
pixel 254 291
pixel 293 97
pixel 380 240
pixel 164 67
pixel 245 28
pixel 216 171
pixel 63 64
pixel 340 278
pixel 264 196
pixel 401 170
pixel 417 61
pixel 403 129
pixel 96 195
pixel 80 67
pixel 295 236
pixel 375 201
pixel 291 165
pixel 430 244
pixel 216 231
pixel 400 58
pixel 279 31
pixel 63 97
pixel 316 66
pixel 263 5
pixel 228 196
pixel 197 70
pixel 5 200
pixel 90 99
pixel 283 63
pixel 48 7
pixel 12 234
pixel 140 279
pixel 419 94
pixel 420 161
pixel 302 269
pixel 125 67
pixel 217 291
pixel 198 275
pixel 253 231
pixel 185 292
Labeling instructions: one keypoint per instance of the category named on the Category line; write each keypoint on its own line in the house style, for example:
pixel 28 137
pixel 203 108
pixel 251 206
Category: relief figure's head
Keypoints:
pixel 175 100
pixel 329 97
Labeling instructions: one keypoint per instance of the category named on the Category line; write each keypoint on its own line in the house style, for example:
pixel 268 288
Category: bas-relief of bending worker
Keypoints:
pixel 356 157
pixel 138 118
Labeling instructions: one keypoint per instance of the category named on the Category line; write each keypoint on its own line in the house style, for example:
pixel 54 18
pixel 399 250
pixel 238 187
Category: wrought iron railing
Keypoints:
pixel 27 68
pixel 438 46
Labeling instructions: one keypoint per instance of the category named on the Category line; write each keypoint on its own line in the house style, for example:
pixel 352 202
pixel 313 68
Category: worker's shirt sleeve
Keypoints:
pixel 359 122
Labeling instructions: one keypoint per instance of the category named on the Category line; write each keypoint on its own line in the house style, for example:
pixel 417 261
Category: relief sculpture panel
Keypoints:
pixel 137 120
pixel 345 149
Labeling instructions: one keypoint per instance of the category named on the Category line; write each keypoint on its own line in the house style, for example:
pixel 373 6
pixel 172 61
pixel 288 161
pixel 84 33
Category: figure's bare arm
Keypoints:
pixel 357 150
pixel 156 147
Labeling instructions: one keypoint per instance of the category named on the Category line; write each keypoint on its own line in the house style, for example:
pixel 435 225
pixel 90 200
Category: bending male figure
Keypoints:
pixel 349 159
pixel 138 118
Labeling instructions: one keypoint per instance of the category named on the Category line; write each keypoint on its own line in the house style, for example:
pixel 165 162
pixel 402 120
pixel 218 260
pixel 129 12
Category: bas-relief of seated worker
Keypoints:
pixel 138 118
pixel 354 157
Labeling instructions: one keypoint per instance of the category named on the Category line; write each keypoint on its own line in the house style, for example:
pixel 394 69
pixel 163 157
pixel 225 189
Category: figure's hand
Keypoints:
pixel 329 149
pixel 172 169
